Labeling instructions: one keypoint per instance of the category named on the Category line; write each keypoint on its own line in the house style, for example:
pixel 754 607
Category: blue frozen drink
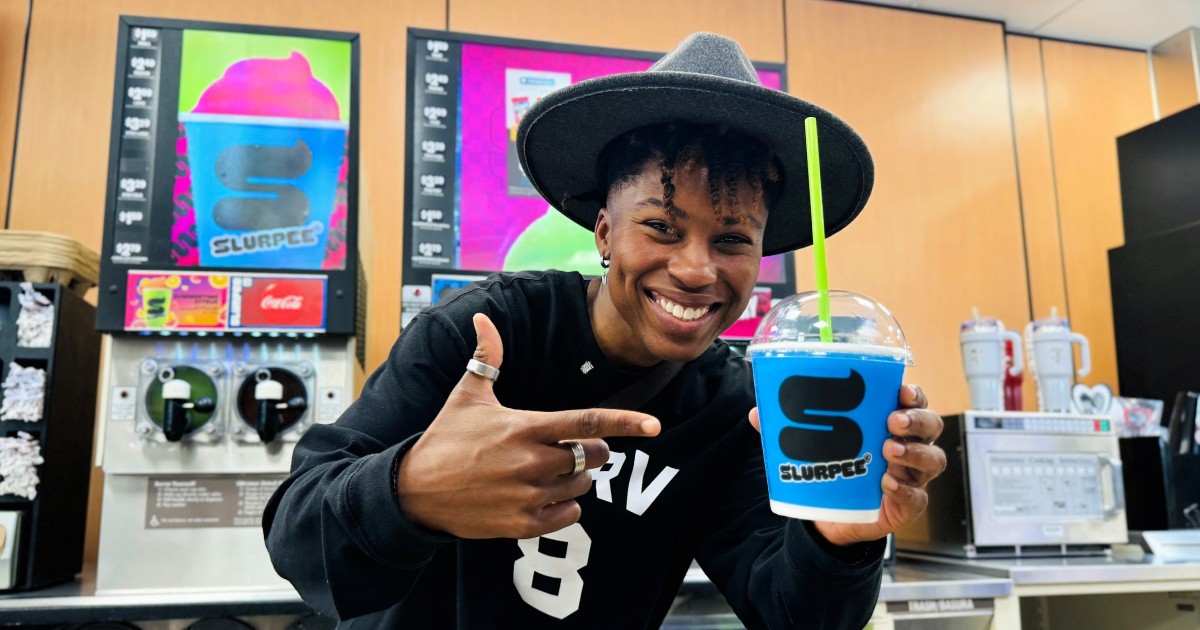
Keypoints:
pixel 823 406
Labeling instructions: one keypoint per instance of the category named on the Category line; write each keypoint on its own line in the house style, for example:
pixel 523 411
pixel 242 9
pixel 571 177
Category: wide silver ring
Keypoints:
pixel 580 456
pixel 483 369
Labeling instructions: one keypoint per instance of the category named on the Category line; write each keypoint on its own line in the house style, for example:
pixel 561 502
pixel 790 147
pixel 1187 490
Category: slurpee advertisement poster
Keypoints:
pixel 262 154
pixel 503 223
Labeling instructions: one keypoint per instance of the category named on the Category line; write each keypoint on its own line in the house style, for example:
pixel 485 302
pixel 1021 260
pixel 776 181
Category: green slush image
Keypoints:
pixel 156 301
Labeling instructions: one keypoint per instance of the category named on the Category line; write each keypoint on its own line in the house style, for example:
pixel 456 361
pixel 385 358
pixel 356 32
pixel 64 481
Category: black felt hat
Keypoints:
pixel 707 79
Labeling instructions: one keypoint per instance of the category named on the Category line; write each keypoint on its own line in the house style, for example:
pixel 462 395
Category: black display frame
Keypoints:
pixel 412 275
pixel 341 284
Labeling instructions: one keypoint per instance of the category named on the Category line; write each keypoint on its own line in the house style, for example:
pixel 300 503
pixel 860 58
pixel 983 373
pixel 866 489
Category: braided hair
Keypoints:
pixel 730 155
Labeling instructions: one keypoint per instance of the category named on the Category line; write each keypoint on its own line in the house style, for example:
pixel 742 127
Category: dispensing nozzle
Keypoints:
pixel 177 394
pixel 269 394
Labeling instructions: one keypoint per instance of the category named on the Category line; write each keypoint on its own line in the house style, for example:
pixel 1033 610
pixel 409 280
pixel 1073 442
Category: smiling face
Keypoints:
pixel 681 272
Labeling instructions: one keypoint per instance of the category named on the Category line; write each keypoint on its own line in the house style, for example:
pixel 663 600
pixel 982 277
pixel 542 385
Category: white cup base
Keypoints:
pixel 824 514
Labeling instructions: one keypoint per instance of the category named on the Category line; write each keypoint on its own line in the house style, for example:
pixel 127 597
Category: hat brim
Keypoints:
pixel 560 140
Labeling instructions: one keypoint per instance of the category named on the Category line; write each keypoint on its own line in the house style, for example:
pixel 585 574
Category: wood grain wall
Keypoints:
pixel 13 14
pixel 756 24
pixel 1093 95
pixel 942 232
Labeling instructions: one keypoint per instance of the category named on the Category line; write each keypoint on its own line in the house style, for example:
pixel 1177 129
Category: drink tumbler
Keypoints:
pixel 983 340
pixel 1054 361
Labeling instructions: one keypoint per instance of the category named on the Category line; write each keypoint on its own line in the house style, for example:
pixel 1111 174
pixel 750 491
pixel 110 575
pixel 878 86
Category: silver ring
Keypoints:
pixel 580 456
pixel 483 369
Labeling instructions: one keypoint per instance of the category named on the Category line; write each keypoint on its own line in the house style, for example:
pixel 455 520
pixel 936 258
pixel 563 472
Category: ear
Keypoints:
pixel 603 230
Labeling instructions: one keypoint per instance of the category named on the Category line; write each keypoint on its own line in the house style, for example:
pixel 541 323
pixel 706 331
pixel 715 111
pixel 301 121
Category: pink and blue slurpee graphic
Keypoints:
pixel 824 423
pixel 263 188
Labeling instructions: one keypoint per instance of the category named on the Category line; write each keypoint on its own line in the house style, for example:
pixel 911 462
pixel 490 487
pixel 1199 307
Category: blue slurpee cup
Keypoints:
pixel 263 188
pixel 823 406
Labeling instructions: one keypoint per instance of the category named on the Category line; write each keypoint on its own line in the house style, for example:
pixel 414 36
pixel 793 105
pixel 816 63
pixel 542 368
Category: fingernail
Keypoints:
pixel 898 448
pixel 916 391
pixel 650 426
pixel 905 420
pixel 890 483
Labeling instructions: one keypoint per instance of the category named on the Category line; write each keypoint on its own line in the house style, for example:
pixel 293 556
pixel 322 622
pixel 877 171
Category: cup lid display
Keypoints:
pixel 857 322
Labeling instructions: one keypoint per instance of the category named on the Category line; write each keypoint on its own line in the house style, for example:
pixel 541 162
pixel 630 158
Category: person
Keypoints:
pixel 601 437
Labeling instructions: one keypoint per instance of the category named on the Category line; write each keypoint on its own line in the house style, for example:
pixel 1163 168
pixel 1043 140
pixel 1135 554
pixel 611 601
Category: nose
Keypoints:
pixel 692 266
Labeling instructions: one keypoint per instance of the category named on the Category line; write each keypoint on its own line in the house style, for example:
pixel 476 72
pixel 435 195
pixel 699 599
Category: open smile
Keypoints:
pixel 681 314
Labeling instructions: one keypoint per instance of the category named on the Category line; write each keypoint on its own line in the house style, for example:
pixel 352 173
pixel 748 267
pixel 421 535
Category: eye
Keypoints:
pixel 734 239
pixel 661 227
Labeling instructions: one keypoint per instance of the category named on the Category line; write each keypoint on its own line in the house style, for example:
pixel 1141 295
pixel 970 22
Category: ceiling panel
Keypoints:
pixel 1019 15
pixel 1128 23
pixel 1133 23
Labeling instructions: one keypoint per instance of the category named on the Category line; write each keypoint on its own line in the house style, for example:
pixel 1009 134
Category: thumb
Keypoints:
pixel 489 348
pixel 754 420
pixel 490 351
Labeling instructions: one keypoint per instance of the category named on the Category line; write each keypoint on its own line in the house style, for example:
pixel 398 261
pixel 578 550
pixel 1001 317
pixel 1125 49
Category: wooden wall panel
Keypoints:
pixel 942 232
pixel 1175 78
pixel 1039 202
pixel 63 153
pixel 13 14
pixel 1094 94
pixel 1035 164
pixel 756 24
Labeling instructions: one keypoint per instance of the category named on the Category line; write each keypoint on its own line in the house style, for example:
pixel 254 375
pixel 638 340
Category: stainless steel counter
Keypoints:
pixel 77 601
pixel 1121 568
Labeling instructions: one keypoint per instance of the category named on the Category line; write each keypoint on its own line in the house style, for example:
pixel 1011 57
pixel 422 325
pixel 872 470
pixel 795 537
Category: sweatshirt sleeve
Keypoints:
pixel 334 528
pixel 778 572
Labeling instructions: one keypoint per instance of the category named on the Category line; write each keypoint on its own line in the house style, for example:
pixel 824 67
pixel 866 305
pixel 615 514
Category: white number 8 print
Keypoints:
pixel 565 569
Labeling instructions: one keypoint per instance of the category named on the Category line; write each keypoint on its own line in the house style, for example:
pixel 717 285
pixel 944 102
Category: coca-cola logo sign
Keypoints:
pixel 284 303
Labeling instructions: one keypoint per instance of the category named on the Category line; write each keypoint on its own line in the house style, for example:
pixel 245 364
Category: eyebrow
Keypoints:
pixel 732 221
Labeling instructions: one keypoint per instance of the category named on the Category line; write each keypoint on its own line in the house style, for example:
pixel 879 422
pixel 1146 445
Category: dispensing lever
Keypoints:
pixel 176 395
pixel 177 405
pixel 269 394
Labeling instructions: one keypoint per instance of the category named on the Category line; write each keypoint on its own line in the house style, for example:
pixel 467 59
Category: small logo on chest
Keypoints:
pixel 586 367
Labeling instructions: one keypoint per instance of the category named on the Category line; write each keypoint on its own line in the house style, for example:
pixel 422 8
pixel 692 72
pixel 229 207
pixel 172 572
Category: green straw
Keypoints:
pixel 817 210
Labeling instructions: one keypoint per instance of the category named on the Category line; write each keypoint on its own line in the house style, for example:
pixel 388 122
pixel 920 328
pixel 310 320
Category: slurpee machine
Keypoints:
pixel 229 290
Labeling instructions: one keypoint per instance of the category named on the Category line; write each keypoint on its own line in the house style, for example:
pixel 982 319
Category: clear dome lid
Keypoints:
pixel 859 325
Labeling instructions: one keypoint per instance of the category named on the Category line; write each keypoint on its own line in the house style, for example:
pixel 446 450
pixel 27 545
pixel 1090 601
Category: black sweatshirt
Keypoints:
pixel 696 490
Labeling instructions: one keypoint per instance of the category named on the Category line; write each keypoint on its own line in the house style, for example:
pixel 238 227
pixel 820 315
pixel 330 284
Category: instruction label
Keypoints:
pixel 227 501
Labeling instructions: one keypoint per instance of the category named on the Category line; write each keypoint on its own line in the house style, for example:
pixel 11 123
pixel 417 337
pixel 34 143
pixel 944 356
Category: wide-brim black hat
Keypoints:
pixel 707 79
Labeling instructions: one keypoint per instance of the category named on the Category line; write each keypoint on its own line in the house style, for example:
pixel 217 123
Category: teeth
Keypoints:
pixel 679 311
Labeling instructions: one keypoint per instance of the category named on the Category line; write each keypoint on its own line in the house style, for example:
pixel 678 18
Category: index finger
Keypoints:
pixel 555 426
pixel 913 397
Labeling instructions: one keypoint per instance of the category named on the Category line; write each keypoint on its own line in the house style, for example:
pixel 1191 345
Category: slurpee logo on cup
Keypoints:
pixel 823 405
pixel 265 146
